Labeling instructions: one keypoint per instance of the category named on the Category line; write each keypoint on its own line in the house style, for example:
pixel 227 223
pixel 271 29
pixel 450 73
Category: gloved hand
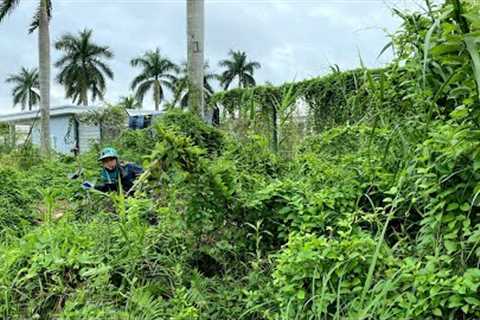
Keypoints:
pixel 76 174
pixel 86 185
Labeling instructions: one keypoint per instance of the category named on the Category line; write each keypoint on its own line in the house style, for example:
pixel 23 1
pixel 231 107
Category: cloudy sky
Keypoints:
pixel 292 39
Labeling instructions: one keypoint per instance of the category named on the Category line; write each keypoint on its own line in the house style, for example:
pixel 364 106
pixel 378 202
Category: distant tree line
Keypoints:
pixel 83 71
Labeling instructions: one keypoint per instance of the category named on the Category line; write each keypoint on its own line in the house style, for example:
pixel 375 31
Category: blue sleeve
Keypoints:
pixel 135 169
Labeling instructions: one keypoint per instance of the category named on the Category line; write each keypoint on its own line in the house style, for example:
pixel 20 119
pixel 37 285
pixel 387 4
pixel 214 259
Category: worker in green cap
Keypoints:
pixel 115 174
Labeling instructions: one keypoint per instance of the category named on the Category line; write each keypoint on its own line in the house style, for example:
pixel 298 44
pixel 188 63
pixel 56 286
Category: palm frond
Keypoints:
pixel 36 18
pixel 248 80
pixel 142 90
pixel 17 97
pixel 139 79
pixel 104 67
pixel 140 61
pixel 7 7
pixel 14 78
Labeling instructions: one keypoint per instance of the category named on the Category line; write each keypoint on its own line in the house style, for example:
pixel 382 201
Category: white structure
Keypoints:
pixel 66 132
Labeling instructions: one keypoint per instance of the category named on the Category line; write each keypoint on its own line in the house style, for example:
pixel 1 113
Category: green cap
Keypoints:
pixel 108 153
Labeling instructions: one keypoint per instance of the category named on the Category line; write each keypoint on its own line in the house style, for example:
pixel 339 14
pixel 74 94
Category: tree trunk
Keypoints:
pixel 44 78
pixel 30 100
pixel 196 42
pixel 84 98
pixel 13 135
pixel 156 94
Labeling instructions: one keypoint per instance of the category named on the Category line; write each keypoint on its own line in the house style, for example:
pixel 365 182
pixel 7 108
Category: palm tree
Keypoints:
pixel 41 22
pixel 129 102
pixel 182 89
pixel 83 67
pixel 25 91
pixel 157 73
pixel 238 67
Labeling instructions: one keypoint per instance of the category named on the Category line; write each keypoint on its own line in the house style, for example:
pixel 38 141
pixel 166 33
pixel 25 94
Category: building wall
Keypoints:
pixel 62 140
pixel 63 137
pixel 89 134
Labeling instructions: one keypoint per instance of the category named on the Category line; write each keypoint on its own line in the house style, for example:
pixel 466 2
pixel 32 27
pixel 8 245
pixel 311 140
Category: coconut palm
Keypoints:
pixel 129 102
pixel 181 93
pixel 84 69
pixel 158 73
pixel 41 22
pixel 238 67
pixel 26 88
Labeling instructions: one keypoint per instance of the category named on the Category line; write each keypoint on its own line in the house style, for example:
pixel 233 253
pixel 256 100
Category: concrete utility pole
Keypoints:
pixel 195 59
pixel 44 77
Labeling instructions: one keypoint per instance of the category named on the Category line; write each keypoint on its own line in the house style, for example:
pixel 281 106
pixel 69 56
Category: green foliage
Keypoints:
pixel 26 88
pixel 314 273
pixel 374 215
pixel 111 119
pixel 83 67
pixel 238 67
pixel 329 99
pixel 135 144
pixel 156 75
pixel 181 87
pixel 16 212
pixel 194 128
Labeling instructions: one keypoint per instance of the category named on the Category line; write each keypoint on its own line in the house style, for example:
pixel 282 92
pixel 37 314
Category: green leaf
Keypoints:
pixel 427 46
pixel 437 312
pixel 470 41
pixel 473 300
pixel 476 165
pixel 459 92
pixel 459 113
pixel 388 45
pixel 444 48
pixel 465 207
pixel 455 301
pixel 473 18
pixel 301 294
pixel 452 206
pixel 450 245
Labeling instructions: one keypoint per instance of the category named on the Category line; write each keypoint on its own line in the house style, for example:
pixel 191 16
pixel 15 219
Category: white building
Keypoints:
pixel 66 132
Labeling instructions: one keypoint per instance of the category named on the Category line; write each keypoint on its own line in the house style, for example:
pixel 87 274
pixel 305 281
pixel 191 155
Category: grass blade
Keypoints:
pixel 426 49
pixel 470 41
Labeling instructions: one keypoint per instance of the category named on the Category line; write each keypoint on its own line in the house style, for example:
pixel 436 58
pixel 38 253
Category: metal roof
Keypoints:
pixel 54 111
pixel 142 112
pixel 26 116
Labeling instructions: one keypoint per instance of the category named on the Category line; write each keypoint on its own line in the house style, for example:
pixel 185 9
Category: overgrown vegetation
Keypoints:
pixel 375 216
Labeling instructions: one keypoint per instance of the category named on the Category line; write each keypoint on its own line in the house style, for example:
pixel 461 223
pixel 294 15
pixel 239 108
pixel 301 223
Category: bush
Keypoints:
pixel 314 274
pixel 194 128
pixel 16 212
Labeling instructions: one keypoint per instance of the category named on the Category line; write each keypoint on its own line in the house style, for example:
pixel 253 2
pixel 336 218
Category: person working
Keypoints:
pixel 115 174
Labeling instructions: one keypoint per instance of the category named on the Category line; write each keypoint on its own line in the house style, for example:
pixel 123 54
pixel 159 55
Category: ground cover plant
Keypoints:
pixel 373 216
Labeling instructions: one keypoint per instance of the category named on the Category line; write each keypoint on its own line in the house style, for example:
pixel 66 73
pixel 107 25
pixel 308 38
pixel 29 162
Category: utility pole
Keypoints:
pixel 44 76
pixel 195 57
